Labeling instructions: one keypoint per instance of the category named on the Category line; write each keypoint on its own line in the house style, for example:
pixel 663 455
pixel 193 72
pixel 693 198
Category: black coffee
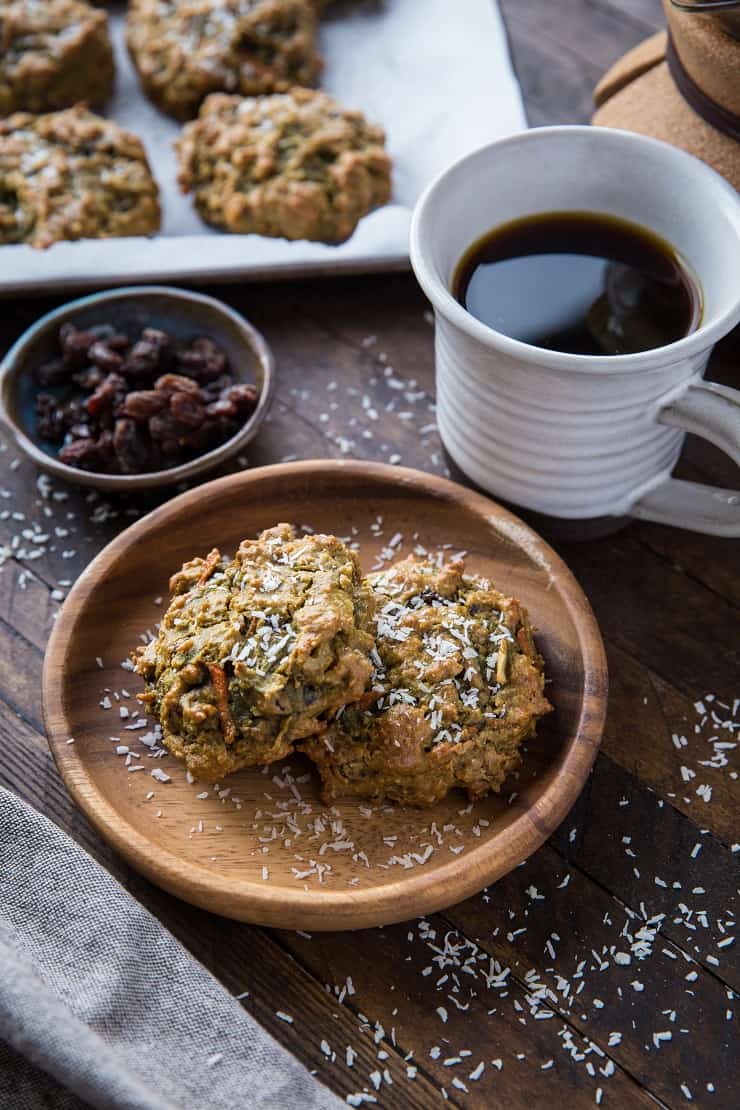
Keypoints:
pixel 578 282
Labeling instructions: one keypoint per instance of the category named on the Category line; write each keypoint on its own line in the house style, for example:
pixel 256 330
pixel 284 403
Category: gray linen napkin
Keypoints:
pixel 99 1003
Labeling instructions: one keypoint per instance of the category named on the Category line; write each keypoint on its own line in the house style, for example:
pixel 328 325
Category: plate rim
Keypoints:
pixel 353 908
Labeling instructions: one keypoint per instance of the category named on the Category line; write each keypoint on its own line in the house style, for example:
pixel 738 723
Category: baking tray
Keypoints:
pixel 436 75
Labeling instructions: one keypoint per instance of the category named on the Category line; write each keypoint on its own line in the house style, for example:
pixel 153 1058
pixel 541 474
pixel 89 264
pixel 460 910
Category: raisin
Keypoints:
pixel 104 357
pixel 82 453
pixel 212 390
pixel 73 412
pixel 162 427
pixel 162 342
pixel 243 397
pixel 75 345
pixel 170 449
pixel 176 383
pixel 142 403
pixel 202 359
pixel 130 446
pixel 142 361
pixel 116 340
pixel 50 424
pixel 106 395
pixel 88 379
pixel 105 450
pixel 221 408
pixel 186 409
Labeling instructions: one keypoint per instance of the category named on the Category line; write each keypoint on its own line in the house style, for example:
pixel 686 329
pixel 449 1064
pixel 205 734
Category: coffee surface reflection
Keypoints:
pixel 579 282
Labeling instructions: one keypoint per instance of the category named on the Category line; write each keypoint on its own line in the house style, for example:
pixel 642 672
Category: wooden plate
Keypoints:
pixel 263 848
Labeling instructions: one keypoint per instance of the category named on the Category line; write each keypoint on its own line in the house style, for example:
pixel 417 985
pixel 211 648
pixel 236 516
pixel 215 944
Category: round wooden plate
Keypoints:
pixel 262 847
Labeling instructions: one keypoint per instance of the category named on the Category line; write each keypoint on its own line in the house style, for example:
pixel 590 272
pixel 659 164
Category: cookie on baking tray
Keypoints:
pixel 186 49
pixel 53 54
pixel 72 175
pixel 295 165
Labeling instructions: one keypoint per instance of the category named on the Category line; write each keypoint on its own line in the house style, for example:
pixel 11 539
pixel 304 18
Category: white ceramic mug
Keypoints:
pixel 581 436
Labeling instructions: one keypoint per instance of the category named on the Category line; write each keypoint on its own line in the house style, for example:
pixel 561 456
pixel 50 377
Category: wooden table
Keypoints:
pixel 615 936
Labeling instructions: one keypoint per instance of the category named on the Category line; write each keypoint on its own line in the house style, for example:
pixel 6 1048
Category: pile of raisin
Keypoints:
pixel 123 407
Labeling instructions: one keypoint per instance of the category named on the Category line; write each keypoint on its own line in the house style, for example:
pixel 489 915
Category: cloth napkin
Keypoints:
pixel 101 1006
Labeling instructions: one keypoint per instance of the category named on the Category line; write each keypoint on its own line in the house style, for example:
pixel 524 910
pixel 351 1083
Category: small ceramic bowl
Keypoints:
pixel 181 313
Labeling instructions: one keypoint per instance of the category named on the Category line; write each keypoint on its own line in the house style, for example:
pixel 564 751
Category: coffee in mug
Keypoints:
pixel 584 283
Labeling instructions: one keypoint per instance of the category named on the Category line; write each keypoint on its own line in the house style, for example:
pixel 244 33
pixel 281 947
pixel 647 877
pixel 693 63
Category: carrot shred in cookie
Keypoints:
pixel 212 560
pixel 221 686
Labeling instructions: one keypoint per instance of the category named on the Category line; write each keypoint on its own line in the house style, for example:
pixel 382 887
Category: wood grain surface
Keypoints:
pixel 564 978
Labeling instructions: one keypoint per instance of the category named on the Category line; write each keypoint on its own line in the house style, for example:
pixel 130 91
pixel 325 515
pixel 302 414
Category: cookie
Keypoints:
pixel 53 54
pixel 253 652
pixel 457 688
pixel 72 175
pixel 296 165
pixel 186 49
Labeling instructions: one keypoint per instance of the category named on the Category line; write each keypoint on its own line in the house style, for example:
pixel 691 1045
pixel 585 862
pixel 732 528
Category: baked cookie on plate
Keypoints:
pixel 458 687
pixel 253 653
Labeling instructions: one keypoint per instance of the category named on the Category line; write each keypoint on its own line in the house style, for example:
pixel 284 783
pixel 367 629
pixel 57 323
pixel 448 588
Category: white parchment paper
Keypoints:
pixel 435 73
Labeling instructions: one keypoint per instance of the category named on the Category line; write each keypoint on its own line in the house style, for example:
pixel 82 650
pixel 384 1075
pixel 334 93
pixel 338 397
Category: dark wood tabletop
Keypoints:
pixel 602 970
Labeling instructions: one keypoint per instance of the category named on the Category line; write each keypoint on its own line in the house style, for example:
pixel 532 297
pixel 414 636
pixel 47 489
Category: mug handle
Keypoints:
pixel 713 412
